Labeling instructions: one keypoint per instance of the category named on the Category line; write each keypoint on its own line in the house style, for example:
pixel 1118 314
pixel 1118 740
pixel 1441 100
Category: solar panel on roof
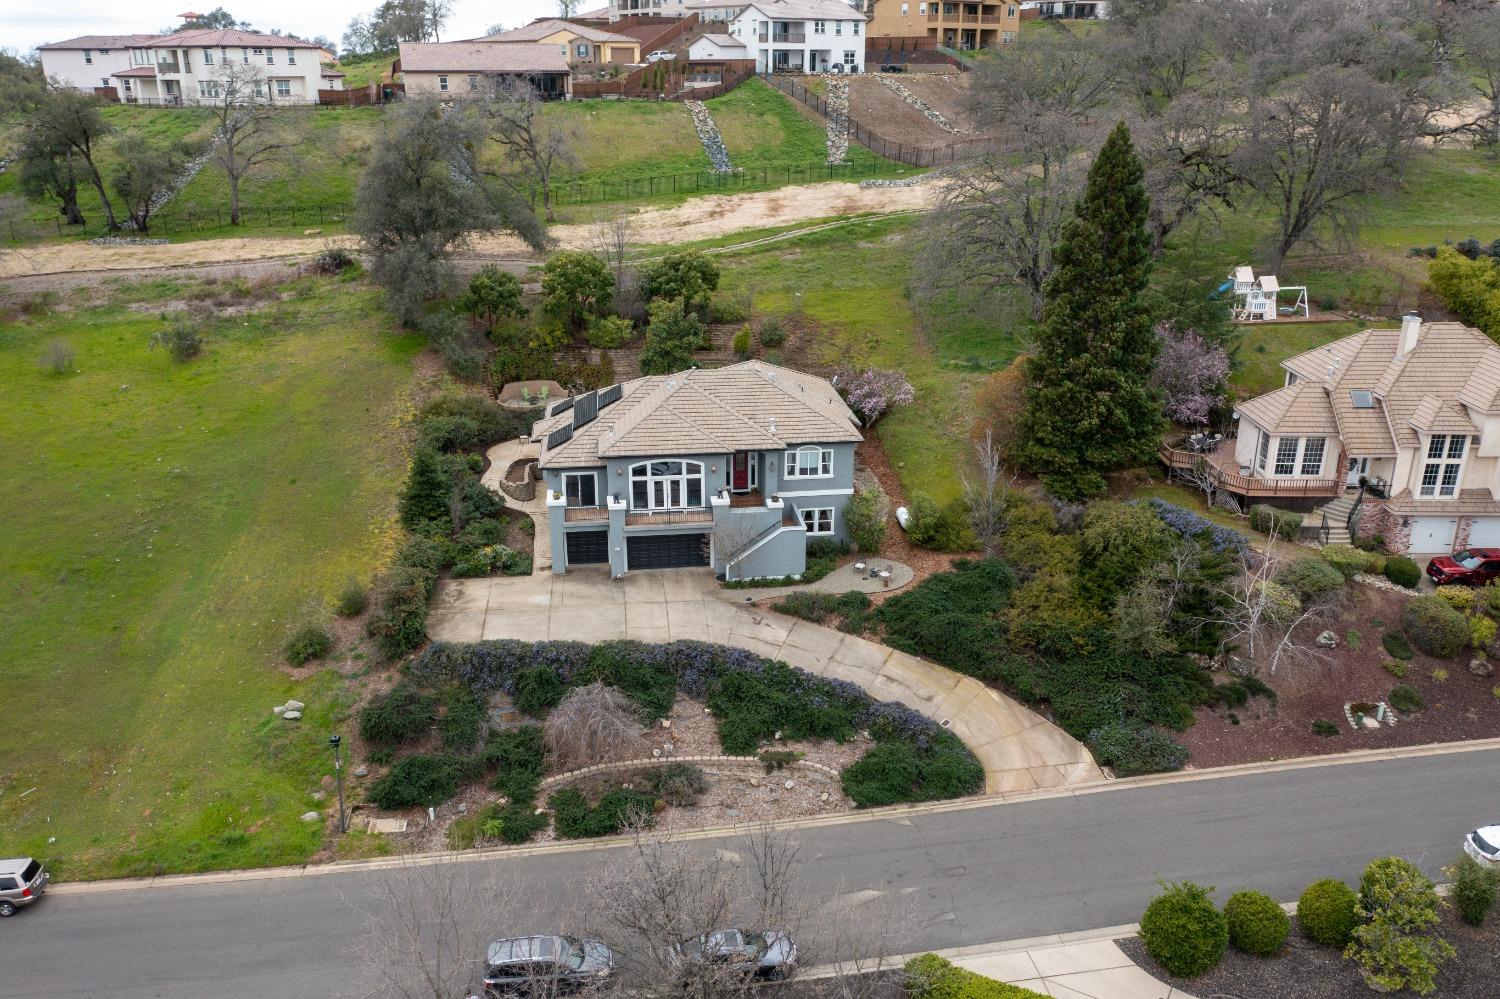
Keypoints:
pixel 561 407
pixel 559 437
pixel 585 408
pixel 609 395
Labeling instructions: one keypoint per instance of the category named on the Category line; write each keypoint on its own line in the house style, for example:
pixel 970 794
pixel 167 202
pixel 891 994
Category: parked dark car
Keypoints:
pixel 543 967
pixel 764 954
pixel 1470 567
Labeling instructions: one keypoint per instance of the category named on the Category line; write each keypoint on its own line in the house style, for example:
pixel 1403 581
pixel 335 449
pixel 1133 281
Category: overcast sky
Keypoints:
pixel 25 24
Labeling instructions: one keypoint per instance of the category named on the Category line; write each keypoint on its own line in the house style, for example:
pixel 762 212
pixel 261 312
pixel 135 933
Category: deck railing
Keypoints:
pixel 1245 485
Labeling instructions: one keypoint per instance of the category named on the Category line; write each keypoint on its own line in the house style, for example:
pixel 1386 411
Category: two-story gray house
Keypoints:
pixel 737 468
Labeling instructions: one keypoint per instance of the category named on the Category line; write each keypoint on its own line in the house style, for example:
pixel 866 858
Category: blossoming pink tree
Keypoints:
pixel 873 392
pixel 1190 373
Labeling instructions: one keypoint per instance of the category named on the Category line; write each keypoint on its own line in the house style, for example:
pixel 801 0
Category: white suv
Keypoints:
pixel 1483 844
pixel 22 881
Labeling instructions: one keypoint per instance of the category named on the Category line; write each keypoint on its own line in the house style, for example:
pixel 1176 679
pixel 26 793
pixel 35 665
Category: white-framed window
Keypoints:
pixel 1444 465
pixel 260 88
pixel 818 521
pixel 88 57
pixel 809 463
pixel 855 26
pixel 443 84
pixel 820 27
pixel 581 488
pixel 1262 452
pixel 1007 38
pixel 583 50
pixel 1286 455
pixel 270 57
pixel 666 485
pixel 906 10
pixel 921 10
pixel 283 88
pixel 473 83
pixel 1312 455
pixel 245 56
pixel 849 58
pixel 291 57
pixel 208 57
pixel 209 89
pixel 103 81
pixel 1012 12
pixel 126 81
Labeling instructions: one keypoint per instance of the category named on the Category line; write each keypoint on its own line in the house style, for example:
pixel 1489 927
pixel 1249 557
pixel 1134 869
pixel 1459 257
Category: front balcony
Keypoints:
pixel 668 518
pixel 1221 466
pixel 585 514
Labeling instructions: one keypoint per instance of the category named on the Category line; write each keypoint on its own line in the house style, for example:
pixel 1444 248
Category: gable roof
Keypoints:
pixel 746 406
pixel 1301 408
pixel 826 10
pixel 215 37
pixel 722 41
pixel 480 57
pixel 537 30
pixel 95 42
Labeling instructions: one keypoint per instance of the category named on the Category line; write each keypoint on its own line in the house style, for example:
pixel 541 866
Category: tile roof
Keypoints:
pixel 722 41
pixel 828 10
pixel 1301 408
pixel 746 406
pixel 137 71
pixel 1468 501
pixel 537 30
pixel 101 42
pixel 480 57
pixel 214 37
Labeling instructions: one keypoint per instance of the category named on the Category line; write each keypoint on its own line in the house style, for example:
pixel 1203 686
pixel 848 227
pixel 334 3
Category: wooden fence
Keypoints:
pixel 902 152
pixel 633 85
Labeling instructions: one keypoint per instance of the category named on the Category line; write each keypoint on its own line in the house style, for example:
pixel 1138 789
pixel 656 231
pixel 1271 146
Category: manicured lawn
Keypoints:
pixel 167 525
pixel 1264 346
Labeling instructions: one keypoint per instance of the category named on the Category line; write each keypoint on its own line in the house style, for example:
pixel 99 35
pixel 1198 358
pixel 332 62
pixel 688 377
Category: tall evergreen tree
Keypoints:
pixel 1090 406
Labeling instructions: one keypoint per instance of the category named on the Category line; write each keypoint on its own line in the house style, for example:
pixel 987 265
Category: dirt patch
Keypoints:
pixel 700 218
pixel 1308 970
pixel 881 110
pixel 1460 706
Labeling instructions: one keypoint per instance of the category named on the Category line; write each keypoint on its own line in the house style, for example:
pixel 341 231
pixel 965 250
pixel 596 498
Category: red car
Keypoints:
pixel 1470 567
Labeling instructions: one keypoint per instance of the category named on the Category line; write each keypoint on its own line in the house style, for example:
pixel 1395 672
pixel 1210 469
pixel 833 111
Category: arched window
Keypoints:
pixel 666 485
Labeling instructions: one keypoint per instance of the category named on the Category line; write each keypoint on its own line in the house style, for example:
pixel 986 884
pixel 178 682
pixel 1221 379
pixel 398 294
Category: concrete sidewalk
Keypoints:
pixel 501 457
pixel 1092 969
pixel 1020 750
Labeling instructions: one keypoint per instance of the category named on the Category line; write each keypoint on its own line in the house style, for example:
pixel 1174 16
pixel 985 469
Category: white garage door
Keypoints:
pixel 1433 534
pixel 1485 532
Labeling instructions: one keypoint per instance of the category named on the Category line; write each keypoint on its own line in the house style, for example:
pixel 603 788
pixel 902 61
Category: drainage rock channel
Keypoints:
pixel 838 120
pixel 928 111
pixel 708 134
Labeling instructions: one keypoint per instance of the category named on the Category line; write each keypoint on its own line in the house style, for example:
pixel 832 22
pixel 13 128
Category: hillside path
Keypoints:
pixel 700 218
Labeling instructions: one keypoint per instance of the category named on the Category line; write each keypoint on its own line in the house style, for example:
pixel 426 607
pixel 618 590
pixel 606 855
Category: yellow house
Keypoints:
pixel 958 24
pixel 578 43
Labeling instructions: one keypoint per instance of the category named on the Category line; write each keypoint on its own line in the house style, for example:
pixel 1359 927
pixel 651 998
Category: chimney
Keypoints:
pixel 1411 328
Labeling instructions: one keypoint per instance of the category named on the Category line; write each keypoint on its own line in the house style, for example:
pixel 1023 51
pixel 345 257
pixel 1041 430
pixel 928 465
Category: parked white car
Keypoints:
pixel 660 55
pixel 1483 844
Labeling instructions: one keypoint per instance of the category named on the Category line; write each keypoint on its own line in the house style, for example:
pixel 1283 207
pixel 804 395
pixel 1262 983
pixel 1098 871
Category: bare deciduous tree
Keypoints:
pixel 991 496
pixel 249 132
pixel 535 147
pixel 1265 619
pixel 1480 56
pixel 592 724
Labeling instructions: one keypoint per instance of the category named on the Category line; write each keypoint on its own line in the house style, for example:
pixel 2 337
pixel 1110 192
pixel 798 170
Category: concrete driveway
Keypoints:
pixel 1020 750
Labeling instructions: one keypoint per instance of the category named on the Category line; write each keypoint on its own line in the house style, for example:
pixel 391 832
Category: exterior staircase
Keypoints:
pixel 1337 513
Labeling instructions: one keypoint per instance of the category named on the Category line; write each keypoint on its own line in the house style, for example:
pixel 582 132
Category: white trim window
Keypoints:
pixel 666 485
pixel 581 488
pixel 817 520
pixel 855 26
pixel 283 88
pixel 1286 455
pixel 473 83
pixel 820 27
pixel 443 84
pixel 208 57
pixel 88 57
pixel 291 57
pixel 1262 452
pixel 1312 455
pixel 1444 466
pixel 583 50
pixel 838 27
pixel 809 462
pixel 850 58
pixel 209 90
pixel 905 10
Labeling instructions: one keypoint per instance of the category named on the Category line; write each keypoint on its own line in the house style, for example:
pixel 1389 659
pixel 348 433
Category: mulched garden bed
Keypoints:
pixel 1307 970
pixel 1462 706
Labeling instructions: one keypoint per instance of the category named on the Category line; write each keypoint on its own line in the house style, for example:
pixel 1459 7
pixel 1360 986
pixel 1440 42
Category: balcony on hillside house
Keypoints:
pixel 669 518
pixel 1221 465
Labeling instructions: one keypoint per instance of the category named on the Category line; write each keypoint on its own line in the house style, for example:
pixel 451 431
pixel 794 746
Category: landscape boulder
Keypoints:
pixel 1327 640
pixel 1480 666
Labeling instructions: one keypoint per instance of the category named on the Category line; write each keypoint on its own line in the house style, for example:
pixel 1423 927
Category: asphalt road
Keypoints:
pixel 971 876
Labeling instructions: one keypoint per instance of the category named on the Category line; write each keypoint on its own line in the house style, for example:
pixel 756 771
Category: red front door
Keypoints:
pixel 739 478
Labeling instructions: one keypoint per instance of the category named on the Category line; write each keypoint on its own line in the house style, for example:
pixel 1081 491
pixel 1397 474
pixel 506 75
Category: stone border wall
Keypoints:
pixel 661 761
pixel 524 490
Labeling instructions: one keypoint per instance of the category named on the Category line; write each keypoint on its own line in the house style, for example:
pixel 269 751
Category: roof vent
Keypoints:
pixel 773 424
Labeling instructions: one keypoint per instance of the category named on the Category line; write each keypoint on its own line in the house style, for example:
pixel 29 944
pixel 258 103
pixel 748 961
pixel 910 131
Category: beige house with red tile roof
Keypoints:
pixel 1413 412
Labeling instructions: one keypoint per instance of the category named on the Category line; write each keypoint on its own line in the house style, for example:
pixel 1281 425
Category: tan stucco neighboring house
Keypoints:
pixel 1412 414
pixel 956 24
pixel 579 43
pixel 457 69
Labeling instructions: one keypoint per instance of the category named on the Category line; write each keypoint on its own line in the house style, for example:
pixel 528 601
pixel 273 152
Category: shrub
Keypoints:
pixel 1397 946
pixel 575 819
pixel 1277 523
pixel 517 755
pixel 1326 912
pixel 955 531
pixel 492 295
pixel 1434 627
pixel 538 690
pixel 1119 542
pixel 448 434
pixel 865 518
pixel 1396 644
pixel 640 671
pixel 1187 524
pixel 1481 631
pixel 576 286
pixel 609 332
pixel 399 622
pixel 420 780
pixel 1183 931
pixel 898 770
pixel 728 310
pixel 1257 925
pixel 1325 728
pixel 811 605
pixel 311 641
pixel 922 520
pixel 678 784
pixel 931 977
pixel 1461 598
pixel 689 276
pixel 671 338
pixel 777 759
pixel 591 724
pixel 494 423
pixel 949 617
pixel 519 821
pixel 742 345
pixel 1348 560
pixel 1489 598
pixel 1473 889
pixel 183 338
pixel 463 719
pixel 428 486
pixel 57 356
pixel 1402 571
pixel 1406 698
pixel 1395 667
pixel 1130 748
pixel 333 260
pixel 402 714
pixel 352 600
pixel 1311 577
pixel 772 334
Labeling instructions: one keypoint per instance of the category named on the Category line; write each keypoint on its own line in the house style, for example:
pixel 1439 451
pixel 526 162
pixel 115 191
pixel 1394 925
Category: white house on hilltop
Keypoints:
pixel 90 61
pixel 813 36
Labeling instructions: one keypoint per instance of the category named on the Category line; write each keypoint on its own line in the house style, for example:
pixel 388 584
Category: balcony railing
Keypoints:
pixel 585 514
pixel 1241 484
pixel 784 36
pixel 669 518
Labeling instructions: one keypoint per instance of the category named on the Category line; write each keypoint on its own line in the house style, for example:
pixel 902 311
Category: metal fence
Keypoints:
pixel 904 152
pixel 171 223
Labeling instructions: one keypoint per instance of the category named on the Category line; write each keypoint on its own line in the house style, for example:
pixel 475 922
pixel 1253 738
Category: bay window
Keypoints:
pixel 1444 465
pixel 666 485
pixel 809 463
pixel 1286 455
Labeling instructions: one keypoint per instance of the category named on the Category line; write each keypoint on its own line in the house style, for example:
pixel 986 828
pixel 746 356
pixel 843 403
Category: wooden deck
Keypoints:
pixel 584 514
pixel 741 501
pixel 1225 470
